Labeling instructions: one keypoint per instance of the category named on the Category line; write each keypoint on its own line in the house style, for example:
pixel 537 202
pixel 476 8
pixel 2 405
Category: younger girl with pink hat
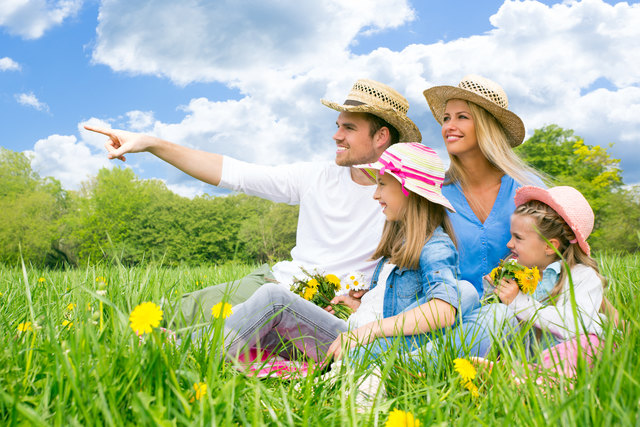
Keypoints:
pixel 549 230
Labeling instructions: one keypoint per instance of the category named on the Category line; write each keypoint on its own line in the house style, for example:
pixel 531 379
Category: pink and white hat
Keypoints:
pixel 417 167
pixel 569 203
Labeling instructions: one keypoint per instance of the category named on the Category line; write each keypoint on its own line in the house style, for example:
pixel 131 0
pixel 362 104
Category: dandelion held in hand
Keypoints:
pixel 145 317
pixel 526 278
pixel 320 290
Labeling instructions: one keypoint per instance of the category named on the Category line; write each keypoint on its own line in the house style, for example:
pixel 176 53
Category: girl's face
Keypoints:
pixel 526 244
pixel 389 194
pixel 458 128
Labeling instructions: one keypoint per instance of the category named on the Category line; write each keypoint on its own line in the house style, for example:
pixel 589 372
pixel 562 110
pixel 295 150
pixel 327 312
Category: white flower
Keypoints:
pixel 355 281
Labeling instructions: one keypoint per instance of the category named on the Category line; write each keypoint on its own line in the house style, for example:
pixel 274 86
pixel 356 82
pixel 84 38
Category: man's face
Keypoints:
pixel 354 143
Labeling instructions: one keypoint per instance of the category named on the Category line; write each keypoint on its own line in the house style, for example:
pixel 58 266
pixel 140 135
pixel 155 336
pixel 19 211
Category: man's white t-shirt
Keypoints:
pixel 339 224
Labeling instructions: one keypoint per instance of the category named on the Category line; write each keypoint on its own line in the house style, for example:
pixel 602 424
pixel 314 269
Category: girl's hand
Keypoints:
pixel 507 291
pixel 352 301
pixel 350 339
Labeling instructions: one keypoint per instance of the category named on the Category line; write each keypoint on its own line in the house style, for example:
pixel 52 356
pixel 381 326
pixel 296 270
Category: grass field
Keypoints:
pixel 79 363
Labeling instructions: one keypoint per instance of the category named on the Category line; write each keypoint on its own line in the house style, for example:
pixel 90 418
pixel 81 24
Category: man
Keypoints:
pixel 339 224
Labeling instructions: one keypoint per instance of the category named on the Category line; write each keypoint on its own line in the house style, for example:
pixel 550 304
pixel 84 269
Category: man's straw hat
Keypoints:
pixel 483 92
pixel 369 96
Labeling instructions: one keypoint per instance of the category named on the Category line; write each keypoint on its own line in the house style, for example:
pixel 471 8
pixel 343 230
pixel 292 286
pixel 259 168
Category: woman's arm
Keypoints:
pixel 432 315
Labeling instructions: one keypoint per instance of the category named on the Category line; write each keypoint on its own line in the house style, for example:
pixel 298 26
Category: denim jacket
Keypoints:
pixel 435 278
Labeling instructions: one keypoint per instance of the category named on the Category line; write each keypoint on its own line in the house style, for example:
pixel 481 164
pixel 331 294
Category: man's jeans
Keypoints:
pixel 274 316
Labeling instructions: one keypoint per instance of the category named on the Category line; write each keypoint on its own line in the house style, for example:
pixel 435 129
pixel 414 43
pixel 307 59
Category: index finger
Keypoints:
pixel 103 131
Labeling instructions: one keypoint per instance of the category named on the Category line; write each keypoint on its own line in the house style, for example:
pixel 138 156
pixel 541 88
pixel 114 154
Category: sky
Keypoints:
pixel 244 78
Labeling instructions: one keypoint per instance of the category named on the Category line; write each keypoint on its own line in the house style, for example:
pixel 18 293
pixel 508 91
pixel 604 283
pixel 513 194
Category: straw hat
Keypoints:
pixel 369 96
pixel 569 203
pixel 417 167
pixel 483 92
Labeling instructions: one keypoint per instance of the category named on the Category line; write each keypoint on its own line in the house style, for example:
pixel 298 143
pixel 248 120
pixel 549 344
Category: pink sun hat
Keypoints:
pixel 416 166
pixel 569 203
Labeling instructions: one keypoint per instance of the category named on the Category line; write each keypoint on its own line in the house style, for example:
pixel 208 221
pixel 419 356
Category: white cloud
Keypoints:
pixel 66 159
pixel 228 41
pixel 30 100
pixel 8 64
pixel 30 19
pixel 574 64
pixel 140 121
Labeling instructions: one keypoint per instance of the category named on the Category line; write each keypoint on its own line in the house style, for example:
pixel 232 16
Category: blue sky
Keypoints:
pixel 244 78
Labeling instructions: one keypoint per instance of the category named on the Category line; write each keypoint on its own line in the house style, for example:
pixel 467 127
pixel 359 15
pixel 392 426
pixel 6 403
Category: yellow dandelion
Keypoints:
pixel 145 317
pixel 101 279
pixel 200 389
pixel 313 283
pixel 221 309
pixel 41 280
pixel 25 327
pixel 71 306
pixel 67 323
pixel 528 279
pixel 472 388
pixel 334 280
pixel 399 418
pixel 309 293
pixel 494 273
pixel 465 369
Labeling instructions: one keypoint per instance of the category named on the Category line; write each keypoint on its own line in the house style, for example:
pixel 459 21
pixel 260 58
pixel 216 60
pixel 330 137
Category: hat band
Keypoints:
pixel 396 167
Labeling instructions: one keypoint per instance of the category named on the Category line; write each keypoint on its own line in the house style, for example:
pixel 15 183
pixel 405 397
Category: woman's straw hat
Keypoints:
pixel 569 203
pixel 417 167
pixel 484 93
pixel 369 96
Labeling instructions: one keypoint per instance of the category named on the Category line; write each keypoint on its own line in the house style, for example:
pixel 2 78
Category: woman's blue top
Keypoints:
pixel 481 246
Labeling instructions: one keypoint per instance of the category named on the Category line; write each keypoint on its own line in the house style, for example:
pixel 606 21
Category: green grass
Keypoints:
pixel 97 372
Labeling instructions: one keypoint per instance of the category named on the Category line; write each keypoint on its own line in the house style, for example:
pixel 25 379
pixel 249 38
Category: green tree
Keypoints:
pixel 31 210
pixel 270 235
pixel 568 160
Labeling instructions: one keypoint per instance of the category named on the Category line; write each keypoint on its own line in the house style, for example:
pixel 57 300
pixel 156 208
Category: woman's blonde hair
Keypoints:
pixel 495 146
pixel 402 241
pixel 551 226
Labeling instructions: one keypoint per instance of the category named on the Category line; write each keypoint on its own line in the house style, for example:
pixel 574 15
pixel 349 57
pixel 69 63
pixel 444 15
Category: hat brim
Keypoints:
pixel 407 130
pixel 438 96
pixel 529 192
pixel 372 169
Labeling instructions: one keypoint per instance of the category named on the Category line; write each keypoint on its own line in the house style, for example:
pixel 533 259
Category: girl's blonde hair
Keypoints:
pixel 551 226
pixel 495 146
pixel 402 241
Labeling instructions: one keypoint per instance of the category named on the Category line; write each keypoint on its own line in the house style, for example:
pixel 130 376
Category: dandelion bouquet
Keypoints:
pixel 320 290
pixel 526 278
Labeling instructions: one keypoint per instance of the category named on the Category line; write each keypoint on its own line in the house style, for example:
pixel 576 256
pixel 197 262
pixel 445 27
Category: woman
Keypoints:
pixel 479 133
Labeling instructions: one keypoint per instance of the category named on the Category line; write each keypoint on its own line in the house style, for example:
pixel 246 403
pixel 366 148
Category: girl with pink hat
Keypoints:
pixel 549 231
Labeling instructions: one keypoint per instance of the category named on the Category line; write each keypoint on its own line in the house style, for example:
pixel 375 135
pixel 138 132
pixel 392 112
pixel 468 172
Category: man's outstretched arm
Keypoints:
pixel 206 167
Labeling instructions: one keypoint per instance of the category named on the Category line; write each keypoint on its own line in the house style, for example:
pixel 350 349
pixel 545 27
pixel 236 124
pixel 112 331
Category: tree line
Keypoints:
pixel 118 216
